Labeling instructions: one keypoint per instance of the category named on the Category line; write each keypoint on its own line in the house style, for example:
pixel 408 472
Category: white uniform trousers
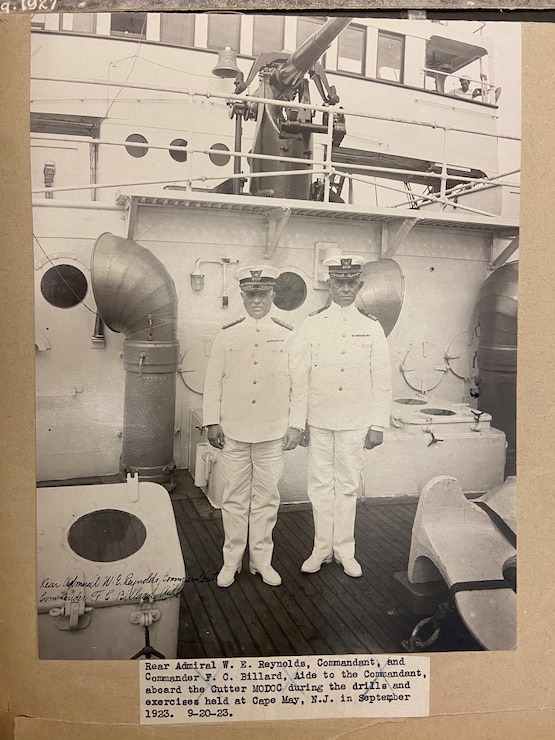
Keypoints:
pixel 250 499
pixel 335 460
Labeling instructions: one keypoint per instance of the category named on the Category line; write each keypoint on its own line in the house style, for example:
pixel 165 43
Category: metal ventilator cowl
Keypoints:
pixel 497 353
pixel 136 296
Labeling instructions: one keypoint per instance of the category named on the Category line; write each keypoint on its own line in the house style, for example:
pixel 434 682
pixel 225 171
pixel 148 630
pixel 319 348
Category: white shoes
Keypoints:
pixel 270 576
pixel 227 575
pixel 313 564
pixel 351 567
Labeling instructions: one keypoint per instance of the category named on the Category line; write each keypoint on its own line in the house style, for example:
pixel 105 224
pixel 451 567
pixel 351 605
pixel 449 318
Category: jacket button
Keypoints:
pixel 253 400
pixel 343 351
pixel 342 370
pixel 340 388
pixel 255 363
pixel 254 381
pixel 256 345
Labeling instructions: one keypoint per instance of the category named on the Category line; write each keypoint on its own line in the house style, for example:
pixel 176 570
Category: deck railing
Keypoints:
pixel 323 166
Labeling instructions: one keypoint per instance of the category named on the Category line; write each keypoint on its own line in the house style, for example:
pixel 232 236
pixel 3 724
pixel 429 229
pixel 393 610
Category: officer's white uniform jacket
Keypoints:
pixel 248 388
pixel 347 359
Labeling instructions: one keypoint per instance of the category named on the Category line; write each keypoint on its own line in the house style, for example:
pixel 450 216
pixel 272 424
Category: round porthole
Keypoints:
pixel 290 291
pixel 106 535
pixel 136 151
pixel 63 286
pixel 179 156
pixel 219 159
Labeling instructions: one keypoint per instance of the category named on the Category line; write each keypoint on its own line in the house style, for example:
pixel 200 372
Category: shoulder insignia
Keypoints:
pixel 319 310
pixel 281 323
pixel 238 321
pixel 368 315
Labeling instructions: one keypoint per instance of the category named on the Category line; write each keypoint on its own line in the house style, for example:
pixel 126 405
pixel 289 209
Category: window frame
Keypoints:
pixel 364 49
pixel 129 35
pixel 282 32
pixel 164 16
pixel 65 17
pixel 402 39
pixel 210 19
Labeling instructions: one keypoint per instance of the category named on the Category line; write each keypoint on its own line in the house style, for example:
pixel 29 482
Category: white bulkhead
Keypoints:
pixel 152 84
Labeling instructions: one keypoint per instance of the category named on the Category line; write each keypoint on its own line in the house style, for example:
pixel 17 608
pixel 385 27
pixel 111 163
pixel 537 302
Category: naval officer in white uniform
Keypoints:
pixel 253 410
pixel 345 354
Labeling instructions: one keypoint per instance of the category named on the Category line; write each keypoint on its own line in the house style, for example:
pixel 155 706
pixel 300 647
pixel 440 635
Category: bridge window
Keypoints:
pixel 267 34
pixel 307 26
pixel 132 25
pixel 447 60
pixel 38 20
pixel 350 57
pixel 391 52
pixel 177 28
pixel 79 22
pixel 223 30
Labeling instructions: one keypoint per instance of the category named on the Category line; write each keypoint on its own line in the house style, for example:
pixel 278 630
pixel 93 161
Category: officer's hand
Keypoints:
pixel 305 437
pixel 373 439
pixel 292 438
pixel 215 436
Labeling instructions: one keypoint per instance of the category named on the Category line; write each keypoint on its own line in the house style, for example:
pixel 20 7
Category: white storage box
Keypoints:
pixel 109 566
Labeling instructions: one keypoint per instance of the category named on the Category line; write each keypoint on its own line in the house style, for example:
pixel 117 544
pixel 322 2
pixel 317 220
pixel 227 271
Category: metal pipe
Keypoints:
pixel 329 163
pixel 188 149
pixel 173 182
pixel 497 352
pixel 251 155
pixel 81 204
pixel 443 182
pixel 443 201
pixel 136 296
pixel 237 157
pixel 480 184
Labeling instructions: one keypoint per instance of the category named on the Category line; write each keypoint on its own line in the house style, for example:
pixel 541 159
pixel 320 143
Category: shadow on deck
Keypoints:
pixel 320 614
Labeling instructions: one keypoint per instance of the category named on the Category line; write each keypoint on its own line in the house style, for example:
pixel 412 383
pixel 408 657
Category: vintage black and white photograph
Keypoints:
pixel 276 298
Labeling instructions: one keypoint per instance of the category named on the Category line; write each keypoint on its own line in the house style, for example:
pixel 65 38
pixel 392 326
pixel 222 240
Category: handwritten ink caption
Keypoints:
pixel 307 687
pixel 28 6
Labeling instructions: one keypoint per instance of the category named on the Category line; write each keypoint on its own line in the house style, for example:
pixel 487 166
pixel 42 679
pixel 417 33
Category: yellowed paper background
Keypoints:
pixel 486 695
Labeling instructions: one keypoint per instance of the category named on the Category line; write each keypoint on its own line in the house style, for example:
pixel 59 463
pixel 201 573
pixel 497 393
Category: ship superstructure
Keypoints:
pixel 142 128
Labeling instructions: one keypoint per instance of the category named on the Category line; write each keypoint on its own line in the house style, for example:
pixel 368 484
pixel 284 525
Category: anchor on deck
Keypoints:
pixel 463 557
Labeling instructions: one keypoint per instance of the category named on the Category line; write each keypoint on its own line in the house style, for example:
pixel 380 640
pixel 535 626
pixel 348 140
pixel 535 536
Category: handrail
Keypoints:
pixel 326 164
pixel 323 165
pixel 279 103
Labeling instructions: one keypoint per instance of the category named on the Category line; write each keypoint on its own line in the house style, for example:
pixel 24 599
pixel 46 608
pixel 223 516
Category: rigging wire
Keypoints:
pixel 135 57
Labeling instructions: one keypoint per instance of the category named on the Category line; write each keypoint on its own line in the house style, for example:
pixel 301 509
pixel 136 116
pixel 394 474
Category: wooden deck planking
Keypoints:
pixel 322 613
pixel 269 624
pixel 212 624
pixel 300 593
pixel 358 600
pixel 310 596
pixel 242 626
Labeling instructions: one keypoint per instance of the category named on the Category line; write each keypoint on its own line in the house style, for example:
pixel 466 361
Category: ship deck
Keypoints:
pixel 320 614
